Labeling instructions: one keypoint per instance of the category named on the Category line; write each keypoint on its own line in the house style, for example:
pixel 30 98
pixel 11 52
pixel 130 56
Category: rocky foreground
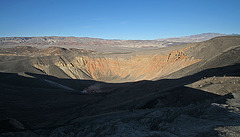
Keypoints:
pixel 188 90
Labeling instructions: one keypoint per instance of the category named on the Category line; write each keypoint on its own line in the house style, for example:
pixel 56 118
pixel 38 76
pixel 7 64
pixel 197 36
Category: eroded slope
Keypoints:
pixel 117 68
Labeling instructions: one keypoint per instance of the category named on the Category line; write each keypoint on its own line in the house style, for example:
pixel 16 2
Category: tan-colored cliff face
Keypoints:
pixel 114 69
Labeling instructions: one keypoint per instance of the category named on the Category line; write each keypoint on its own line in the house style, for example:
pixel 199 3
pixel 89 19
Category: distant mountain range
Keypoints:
pixel 83 43
pixel 102 44
pixel 195 38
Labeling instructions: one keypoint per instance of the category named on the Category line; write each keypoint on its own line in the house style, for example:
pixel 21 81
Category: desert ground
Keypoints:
pixel 187 88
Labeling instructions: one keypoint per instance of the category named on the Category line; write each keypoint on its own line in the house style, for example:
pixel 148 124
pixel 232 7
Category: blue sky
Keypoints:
pixel 118 19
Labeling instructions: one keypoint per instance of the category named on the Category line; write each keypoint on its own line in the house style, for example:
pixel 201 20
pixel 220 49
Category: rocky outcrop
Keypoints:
pixel 10 124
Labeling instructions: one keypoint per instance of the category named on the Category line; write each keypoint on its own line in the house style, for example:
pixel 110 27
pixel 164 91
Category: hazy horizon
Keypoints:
pixel 123 39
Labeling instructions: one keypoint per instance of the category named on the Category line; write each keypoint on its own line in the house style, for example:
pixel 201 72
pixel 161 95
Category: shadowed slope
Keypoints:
pixel 45 106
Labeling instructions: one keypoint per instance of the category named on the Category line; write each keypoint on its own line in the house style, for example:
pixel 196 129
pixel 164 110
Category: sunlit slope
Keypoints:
pixel 128 66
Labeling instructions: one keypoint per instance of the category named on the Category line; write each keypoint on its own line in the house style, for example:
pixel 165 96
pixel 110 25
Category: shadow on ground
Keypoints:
pixel 163 107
